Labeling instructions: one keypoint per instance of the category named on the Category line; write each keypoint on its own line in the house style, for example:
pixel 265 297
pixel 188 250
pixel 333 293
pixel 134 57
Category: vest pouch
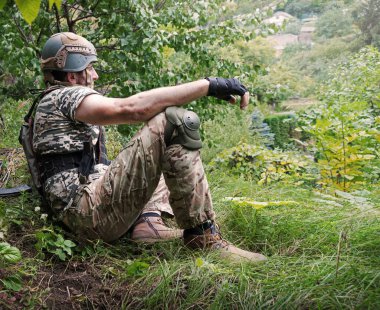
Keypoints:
pixel 26 140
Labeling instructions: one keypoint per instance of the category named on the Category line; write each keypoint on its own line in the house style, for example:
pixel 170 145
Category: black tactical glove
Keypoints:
pixel 224 88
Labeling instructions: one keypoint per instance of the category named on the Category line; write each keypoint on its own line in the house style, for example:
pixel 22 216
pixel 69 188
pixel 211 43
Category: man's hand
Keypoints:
pixel 225 89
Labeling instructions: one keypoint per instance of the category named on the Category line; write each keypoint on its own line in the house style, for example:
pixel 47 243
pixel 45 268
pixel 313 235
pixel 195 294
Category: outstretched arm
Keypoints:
pixel 100 110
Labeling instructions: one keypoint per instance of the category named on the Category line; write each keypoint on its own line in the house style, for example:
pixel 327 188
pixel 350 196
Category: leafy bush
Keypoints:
pixel 269 92
pixel 264 166
pixel 229 120
pixel 335 22
pixel 304 8
pixel 282 126
pixel 293 27
pixel 158 44
pixel 315 62
pixel 346 128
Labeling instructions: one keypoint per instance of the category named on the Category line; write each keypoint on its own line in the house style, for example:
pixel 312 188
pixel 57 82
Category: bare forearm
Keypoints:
pixel 141 107
pixel 152 102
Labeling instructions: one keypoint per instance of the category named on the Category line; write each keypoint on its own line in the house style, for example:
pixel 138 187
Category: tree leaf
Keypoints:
pixel 56 2
pixel 2 4
pixel 29 9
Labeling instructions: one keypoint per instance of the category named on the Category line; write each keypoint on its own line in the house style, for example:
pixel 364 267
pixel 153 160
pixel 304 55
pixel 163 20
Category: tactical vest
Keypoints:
pixel 42 167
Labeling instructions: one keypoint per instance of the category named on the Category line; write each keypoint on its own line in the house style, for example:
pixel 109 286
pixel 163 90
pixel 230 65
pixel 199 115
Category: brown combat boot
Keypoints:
pixel 151 228
pixel 207 236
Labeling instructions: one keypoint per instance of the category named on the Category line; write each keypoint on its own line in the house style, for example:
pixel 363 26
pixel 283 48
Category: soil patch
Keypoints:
pixel 298 104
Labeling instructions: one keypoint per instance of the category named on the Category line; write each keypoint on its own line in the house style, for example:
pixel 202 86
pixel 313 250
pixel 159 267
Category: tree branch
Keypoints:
pixel 57 18
pixel 66 15
pixel 21 32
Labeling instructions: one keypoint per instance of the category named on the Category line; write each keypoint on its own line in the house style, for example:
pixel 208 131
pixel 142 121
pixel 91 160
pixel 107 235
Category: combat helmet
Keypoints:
pixel 66 52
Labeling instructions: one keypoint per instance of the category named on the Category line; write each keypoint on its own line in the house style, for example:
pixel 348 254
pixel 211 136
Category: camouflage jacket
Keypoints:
pixel 56 131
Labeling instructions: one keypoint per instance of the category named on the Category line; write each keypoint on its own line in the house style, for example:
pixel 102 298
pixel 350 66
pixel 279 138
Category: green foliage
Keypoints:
pixel 260 130
pixel 53 242
pixel 269 90
pixel 15 213
pixel 264 166
pixel 12 113
pixel 141 44
pixel 315 62
pixel 29 8
pixel 227 119
pixel 305 8
pixel 8 253
pixel 335 22
pixel 136 268
pixel 258 53
pixel 367 15
pixel 346 127
pixel 293 27
pixel 282 126
pixel 279 82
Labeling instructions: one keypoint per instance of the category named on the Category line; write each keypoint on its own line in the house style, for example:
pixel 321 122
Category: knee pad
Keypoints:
pixel 186 123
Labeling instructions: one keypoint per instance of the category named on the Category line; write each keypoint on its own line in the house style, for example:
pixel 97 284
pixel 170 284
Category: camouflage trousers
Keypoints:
pixel 110 205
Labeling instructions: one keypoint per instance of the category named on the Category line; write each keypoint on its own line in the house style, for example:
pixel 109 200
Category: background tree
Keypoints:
pixel 141 44
pixel 367 17
pixel 335 21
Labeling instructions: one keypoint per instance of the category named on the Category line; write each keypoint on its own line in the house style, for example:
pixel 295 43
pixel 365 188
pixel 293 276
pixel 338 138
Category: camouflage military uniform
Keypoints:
pixel 115 195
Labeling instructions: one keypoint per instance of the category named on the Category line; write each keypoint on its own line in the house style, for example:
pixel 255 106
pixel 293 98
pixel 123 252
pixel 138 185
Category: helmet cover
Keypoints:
pixel 67 52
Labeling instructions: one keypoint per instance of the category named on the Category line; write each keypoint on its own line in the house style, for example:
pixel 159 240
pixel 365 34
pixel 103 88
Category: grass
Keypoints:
pixel 323 253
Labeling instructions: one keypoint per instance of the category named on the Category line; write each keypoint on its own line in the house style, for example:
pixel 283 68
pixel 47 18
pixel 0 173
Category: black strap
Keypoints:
pixel 100 149
pixel 87 162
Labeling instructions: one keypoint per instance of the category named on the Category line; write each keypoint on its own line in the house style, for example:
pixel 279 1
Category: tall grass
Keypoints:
pixel 322 253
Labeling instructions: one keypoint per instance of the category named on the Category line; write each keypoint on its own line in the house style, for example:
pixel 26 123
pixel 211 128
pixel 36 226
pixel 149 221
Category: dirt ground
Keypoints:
pixel 53 284
pixel 298 104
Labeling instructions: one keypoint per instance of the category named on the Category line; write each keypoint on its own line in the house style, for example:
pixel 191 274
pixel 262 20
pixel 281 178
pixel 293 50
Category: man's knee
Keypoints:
pixel 182 127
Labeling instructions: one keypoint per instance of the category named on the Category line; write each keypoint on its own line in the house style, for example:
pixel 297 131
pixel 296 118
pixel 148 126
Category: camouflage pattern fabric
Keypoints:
pixel 57 132
pixel 115 195
pixel 160 199
pixel 111 204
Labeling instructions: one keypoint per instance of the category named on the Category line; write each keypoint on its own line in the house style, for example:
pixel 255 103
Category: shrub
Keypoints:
pixel 282 126
pixel 264 166
pixel 346 128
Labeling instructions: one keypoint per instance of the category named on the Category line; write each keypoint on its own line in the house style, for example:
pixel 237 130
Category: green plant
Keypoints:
pixel 9 255
pixel 260 129
pixel 12 113
pixel 366 15
pixel 264 166
pixel 346 127
pixel 53 242
pixel 282 126
pixel 141 44
pixel 335 22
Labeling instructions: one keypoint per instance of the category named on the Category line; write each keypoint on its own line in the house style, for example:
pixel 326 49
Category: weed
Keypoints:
pixel 53 242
